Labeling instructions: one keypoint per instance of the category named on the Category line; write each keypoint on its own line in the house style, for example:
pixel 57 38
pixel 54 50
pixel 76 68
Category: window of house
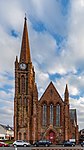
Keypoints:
pixel 58 115
pixel 51 113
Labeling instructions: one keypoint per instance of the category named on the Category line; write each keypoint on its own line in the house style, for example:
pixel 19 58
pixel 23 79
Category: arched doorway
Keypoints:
pixel 52 136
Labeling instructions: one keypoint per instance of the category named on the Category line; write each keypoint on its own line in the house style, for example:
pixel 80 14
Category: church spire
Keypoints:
pixel 66 94
pixel 25 49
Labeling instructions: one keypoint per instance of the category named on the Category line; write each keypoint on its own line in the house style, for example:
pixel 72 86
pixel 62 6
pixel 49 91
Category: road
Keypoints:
pixel 43 148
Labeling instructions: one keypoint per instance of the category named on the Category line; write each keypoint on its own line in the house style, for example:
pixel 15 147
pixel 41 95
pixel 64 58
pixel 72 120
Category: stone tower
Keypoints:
pixel 26 94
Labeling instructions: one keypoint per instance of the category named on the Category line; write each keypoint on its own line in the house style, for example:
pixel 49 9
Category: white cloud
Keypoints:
pixel 11 14
pixel 76 34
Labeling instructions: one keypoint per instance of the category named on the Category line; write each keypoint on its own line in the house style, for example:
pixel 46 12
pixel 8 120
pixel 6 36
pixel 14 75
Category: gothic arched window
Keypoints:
pixel 23 84
pixel 44 114
pixel 51 113
pixel 58 115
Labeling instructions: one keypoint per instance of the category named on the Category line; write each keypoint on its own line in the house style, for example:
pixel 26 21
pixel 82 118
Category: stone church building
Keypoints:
pixel 50 117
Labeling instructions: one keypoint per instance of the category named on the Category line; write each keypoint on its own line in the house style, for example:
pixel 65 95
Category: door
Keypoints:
pixel 52 136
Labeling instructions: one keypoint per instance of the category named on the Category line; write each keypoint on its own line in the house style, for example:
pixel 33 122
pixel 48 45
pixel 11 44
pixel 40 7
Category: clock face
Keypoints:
pixel 22 66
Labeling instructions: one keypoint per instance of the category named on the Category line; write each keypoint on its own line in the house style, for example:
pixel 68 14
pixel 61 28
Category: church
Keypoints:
pixel 49 117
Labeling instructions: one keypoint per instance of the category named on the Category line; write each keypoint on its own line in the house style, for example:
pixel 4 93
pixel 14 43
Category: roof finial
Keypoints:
pixel 25 17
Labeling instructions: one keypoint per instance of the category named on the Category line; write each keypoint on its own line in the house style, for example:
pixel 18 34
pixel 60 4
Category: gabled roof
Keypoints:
pixel 52 88
pixel 6 127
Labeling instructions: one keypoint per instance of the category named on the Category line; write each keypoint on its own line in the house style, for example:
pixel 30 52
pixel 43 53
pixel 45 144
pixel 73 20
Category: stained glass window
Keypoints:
pixel 58 115
pixel 44 114
pixel 51 113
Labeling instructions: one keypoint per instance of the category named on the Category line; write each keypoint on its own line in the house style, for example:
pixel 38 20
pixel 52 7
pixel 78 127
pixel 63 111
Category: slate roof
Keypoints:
pixel 6 127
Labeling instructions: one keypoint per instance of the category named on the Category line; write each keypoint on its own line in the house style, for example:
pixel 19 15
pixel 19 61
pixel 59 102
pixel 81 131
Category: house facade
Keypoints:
pixel 6 132
pixel 48 118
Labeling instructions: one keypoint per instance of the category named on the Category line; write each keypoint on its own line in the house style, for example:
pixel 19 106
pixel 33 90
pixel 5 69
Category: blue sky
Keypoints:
pixel 56 36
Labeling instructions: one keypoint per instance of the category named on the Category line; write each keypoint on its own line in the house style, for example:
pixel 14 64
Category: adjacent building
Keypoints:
pixel 6 132
pixel 49 117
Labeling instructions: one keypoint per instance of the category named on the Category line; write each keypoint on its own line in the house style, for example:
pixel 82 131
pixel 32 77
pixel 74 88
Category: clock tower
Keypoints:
pixel 26 94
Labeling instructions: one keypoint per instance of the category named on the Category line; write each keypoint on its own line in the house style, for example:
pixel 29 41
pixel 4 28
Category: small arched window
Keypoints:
pixel 58 115
pixel 51 113
pixel 24 136
pixel 44 115
pixel 20 136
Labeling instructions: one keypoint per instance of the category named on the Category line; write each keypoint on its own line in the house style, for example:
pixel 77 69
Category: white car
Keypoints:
pixel 21 143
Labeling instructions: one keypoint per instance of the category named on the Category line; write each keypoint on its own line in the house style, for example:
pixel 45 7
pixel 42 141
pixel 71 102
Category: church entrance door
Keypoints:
pixel 52 136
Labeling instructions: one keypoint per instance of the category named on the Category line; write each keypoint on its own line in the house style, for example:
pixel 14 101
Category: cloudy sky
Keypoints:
pixel 56 36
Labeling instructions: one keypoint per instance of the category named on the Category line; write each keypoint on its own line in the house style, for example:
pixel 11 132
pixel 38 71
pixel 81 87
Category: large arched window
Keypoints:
pixel 51 113
pixel 44 114
pixel 58 115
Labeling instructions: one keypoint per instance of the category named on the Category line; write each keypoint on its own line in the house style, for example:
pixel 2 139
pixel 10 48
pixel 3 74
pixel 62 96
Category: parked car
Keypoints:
pixel 82 144
pixel 42 143
pixel 2 144
pixel 21 143
pixel 68 143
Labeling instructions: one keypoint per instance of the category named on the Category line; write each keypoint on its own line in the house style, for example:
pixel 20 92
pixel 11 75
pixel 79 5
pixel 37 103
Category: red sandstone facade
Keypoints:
pixel 47 118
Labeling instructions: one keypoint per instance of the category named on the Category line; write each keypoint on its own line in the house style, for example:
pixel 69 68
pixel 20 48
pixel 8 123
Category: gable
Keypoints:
pixel 2 130
pixel 51 95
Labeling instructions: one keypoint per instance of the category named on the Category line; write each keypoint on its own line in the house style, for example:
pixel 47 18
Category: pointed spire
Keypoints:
pixel 16 63
pixel 66 94
pixel 66 89
pixel 25 49
pixel 16 58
